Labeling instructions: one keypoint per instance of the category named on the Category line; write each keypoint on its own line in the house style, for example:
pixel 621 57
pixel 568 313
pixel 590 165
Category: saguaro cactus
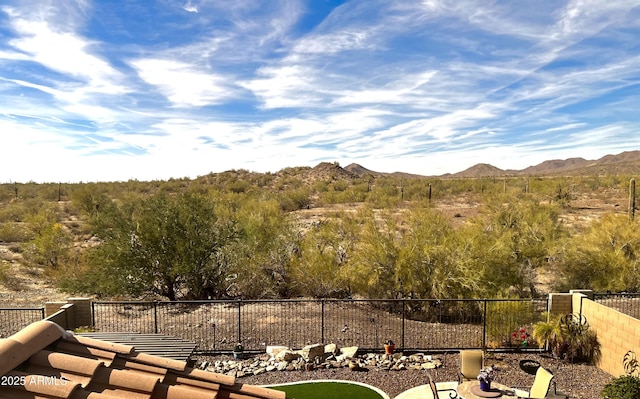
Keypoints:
pixel 632 199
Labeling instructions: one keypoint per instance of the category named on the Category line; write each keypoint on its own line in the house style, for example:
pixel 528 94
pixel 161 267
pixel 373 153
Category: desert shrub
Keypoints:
pixel 91 199
pixel 79 276
pixel 512 237
pixel 323 253
pixel 14 211
pixel 261 255
pixel 604 258
pixel 384 195
pixel 623 387
pixel 294 199
pixel 8 277
pixel 238 186
pixel 50 247
pixel 417 254
pixel 13 232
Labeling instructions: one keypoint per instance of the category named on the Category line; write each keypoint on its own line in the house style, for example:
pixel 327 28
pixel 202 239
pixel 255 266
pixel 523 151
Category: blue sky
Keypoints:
pixel 116 90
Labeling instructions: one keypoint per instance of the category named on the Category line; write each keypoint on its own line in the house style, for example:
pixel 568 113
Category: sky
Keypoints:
pixel 113 90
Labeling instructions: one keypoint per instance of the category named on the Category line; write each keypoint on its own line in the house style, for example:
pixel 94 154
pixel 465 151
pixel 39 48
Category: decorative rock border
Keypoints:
pixel 320 357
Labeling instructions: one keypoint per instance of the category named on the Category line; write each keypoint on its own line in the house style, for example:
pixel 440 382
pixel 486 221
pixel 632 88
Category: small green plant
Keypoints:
pixel 623 387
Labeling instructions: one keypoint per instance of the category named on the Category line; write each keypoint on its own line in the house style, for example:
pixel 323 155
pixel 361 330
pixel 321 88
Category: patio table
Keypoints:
pixel 471 390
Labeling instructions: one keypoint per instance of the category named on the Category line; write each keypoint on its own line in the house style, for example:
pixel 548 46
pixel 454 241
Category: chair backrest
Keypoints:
pixel 541 383
pixel 471 361
pixel 434 389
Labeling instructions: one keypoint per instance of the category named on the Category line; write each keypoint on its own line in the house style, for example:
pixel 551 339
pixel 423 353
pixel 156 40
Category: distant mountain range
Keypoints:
pixel 625 163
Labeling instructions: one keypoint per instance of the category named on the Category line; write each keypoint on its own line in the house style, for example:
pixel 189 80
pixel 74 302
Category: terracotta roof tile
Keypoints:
pixel 55 364
pixel 94 343
pixel 105 357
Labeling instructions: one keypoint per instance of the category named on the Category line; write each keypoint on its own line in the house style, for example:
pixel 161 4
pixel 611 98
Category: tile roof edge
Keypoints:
pixel 255 391
pixel 99 344
pixel 25 343
pixel 154 360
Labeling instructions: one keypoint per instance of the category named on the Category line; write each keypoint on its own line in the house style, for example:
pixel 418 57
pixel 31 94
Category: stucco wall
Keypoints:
pixel 617 333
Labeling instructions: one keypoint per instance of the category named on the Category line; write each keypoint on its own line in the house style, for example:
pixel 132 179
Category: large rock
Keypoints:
pixel 273 350
pixel 287 355
pixel 310 352
pixel 349 351
pixel 331 349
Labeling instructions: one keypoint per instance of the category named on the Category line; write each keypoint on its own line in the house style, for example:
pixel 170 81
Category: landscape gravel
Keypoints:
pixel 578 381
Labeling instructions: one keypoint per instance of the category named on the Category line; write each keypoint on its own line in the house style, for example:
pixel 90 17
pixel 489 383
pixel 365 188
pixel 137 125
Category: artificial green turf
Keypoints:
pixel 327 390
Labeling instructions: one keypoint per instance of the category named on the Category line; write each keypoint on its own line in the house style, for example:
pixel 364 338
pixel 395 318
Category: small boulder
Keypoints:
pixel 273 350
pixel 287 356
pixel 349 351
pixel 310 352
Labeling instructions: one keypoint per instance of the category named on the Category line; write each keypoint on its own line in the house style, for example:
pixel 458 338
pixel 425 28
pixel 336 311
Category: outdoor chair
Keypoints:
pixel 471 362
pixel 540 388
pixel 452 393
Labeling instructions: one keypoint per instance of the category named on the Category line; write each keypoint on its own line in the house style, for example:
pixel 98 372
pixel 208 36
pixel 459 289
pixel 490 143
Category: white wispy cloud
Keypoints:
pixel 183 84
pixel 425 86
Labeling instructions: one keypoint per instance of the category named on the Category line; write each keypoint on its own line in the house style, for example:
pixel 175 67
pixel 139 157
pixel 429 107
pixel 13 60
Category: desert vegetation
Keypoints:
pixel 323 232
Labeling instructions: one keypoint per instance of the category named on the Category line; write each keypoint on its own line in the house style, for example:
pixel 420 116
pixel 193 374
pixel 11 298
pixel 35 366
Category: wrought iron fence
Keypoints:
pixel 627 303
pixel 13 320
pixel 412 324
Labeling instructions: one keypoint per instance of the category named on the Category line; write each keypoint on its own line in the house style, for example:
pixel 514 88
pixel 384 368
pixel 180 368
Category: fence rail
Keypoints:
pixel 412 324
pixel 13 320
pixel 627 303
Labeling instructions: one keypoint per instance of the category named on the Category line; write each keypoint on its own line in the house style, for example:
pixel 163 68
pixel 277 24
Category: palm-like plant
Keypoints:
pixel 547 333
pixel 568 339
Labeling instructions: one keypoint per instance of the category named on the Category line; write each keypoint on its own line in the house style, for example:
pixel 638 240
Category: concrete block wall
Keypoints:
pixel 74 313
pixel 52 307
pixel 560 304
pixel 617 332
pixel 82 307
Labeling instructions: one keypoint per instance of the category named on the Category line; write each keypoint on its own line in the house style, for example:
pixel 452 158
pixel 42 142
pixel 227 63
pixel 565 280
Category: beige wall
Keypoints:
pixel 74 313
pixel 617 333
pixel 560 304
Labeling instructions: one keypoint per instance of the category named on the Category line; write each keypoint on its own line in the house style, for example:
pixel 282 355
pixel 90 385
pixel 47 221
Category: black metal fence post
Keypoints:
pixel 403 324
pixel 155 316
pixel 484 326
pixel 239 322
pixel 322 301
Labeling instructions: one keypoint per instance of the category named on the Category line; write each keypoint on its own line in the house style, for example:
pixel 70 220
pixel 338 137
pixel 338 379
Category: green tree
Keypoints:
pixel 260 257
pixel 50 242
pixel 172 246
pixel 514 237
pixel 91 199
pixel 431 258
pixel 371 271
pixel 324 252
pixel 50 247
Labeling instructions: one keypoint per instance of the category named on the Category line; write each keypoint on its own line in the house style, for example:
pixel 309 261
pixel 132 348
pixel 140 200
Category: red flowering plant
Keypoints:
pixel 522 336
